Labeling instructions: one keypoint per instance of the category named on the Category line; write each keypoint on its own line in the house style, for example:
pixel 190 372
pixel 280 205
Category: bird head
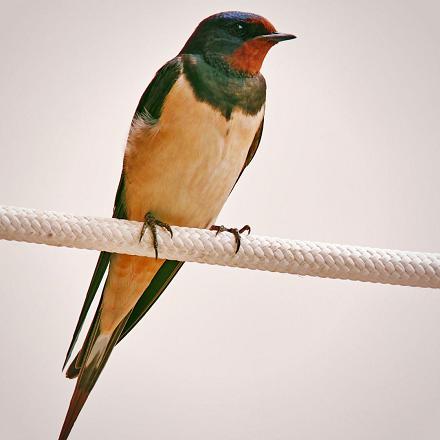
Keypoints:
pixel 239 39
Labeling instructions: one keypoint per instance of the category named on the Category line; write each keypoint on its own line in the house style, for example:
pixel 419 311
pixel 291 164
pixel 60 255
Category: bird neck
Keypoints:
pixel 224 88
pixel 224 66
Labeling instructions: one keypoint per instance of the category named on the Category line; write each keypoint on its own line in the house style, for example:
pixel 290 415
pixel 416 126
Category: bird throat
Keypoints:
pixel 249 57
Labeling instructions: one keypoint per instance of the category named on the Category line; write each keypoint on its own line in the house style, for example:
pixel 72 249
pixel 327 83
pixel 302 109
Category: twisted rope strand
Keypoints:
pixel 199 245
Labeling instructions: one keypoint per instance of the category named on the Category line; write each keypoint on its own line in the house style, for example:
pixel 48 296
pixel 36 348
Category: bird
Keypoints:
pixel 195 130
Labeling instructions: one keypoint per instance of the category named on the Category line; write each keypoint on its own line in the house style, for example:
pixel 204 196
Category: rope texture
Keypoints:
pixel 202 246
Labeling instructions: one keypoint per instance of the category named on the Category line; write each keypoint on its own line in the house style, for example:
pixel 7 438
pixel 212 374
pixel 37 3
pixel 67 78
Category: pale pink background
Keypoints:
pixel 350 154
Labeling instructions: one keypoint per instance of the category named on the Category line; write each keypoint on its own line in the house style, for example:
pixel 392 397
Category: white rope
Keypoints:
pixel 202 246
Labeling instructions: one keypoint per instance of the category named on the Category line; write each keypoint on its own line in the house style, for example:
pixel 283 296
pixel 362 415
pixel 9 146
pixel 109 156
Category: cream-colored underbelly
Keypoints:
pixel 183 167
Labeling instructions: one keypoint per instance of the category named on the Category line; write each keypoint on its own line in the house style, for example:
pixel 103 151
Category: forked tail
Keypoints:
pixel 90 362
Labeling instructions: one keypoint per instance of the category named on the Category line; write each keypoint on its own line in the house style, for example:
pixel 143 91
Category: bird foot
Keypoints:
pixel 234 231
pixel 152 223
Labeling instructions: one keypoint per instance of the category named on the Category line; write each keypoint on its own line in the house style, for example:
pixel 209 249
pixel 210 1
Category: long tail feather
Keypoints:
pixel 96 349
pixel 101 266
pixel 75 365
pixel 73 370
pixel 78 400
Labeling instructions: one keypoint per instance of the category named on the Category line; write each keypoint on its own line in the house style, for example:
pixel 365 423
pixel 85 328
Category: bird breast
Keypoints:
pixel 183 167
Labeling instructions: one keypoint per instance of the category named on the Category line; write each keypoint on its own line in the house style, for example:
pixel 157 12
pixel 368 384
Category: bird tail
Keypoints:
pixel 88 365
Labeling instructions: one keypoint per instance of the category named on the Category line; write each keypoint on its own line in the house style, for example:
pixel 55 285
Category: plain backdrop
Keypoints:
pixel 350 154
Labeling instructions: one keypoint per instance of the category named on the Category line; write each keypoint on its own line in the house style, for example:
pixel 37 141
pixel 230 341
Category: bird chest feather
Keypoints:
pixel 184 166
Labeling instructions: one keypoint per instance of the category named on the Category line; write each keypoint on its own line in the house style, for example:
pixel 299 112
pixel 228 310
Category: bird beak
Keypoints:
pixel 275 37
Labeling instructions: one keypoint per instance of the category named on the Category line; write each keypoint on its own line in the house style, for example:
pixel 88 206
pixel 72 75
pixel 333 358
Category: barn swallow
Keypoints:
pixel 196 128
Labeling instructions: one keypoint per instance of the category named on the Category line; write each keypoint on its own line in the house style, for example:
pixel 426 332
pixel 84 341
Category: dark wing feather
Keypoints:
pixel 98 274
pixel 153 98
pixel 150 105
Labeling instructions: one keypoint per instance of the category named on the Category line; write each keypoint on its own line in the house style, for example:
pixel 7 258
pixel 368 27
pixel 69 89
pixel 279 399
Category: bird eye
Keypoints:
pixel 239 29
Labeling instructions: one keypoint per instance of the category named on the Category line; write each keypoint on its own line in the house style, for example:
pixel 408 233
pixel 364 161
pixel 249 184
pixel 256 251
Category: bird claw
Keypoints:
pixel 152 223
pixel 234 231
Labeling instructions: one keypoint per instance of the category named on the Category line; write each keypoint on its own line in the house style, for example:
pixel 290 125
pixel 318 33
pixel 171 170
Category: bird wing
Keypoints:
pixel 101 267
pixel 150 105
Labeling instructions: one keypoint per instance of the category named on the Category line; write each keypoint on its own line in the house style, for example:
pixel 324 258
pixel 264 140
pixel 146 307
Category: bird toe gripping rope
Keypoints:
pixel 203 246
